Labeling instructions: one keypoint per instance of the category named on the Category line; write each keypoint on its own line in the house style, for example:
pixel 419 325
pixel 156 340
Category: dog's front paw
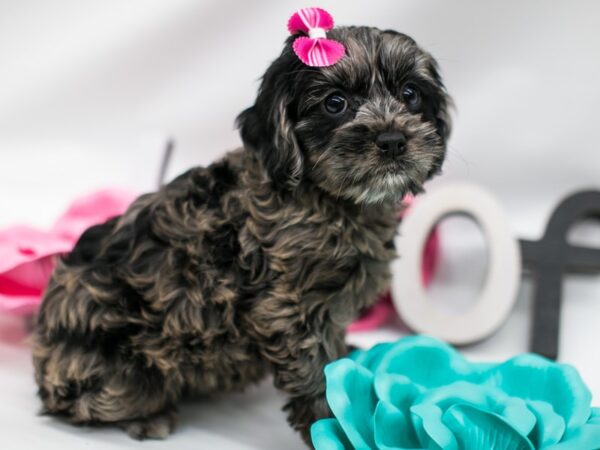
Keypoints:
pixel 304 411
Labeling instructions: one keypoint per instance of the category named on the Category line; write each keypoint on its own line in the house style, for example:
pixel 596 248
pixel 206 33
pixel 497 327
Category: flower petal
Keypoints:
pixel 352 400
pixel 594 416
pixel 532 377
pixel 371 358
pixel 396 389
pixel 475 429
pixel 326 434
pixel 426 361
pixel 586 437
pixel 549 428
pixel 514 411
pixel 393 429
pixel 431 431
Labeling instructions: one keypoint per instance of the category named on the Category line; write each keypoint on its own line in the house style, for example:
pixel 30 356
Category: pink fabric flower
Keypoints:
pixel 27 255
pixel 315 50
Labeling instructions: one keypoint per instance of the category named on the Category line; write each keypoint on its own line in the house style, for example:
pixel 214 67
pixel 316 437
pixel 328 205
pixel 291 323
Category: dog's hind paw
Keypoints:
pixel 158 426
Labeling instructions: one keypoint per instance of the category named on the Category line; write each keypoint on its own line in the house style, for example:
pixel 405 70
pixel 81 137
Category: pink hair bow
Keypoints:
pixel 315 50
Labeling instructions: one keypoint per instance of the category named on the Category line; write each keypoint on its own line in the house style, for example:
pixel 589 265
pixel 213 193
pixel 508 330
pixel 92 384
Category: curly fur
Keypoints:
pixel 253 265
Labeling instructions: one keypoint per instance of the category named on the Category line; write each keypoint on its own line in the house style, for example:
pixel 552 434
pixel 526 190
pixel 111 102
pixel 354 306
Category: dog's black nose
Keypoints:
pixel 393 143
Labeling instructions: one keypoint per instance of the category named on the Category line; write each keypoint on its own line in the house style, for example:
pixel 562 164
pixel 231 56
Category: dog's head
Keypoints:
pixel 370 128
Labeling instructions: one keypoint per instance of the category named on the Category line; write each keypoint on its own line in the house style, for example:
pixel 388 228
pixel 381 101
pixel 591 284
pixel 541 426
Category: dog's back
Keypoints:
pixel 118 331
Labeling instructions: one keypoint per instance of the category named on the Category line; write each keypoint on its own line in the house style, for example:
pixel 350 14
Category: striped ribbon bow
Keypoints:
pixel 315 50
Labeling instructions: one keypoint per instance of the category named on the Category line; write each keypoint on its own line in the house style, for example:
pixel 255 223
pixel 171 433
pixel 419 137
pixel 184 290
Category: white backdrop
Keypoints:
pixel 89 91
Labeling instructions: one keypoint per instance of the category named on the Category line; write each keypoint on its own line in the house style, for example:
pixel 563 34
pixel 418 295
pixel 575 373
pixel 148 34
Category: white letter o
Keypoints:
pixel 499 292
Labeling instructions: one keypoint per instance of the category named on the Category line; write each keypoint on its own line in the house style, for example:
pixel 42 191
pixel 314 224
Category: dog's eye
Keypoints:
pixel 411 96
pixel 335 104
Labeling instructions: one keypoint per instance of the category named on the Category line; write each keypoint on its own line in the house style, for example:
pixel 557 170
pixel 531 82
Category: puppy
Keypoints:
pixel 256 264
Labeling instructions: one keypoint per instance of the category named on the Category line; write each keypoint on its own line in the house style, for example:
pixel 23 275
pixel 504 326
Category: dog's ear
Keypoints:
pixel 442 104
pixel 268 127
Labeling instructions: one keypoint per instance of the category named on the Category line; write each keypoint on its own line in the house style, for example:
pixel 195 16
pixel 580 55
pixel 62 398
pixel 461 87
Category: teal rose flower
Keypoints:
pixel 420 393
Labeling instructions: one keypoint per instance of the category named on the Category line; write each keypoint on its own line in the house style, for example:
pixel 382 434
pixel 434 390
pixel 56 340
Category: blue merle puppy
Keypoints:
pixel 255 264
